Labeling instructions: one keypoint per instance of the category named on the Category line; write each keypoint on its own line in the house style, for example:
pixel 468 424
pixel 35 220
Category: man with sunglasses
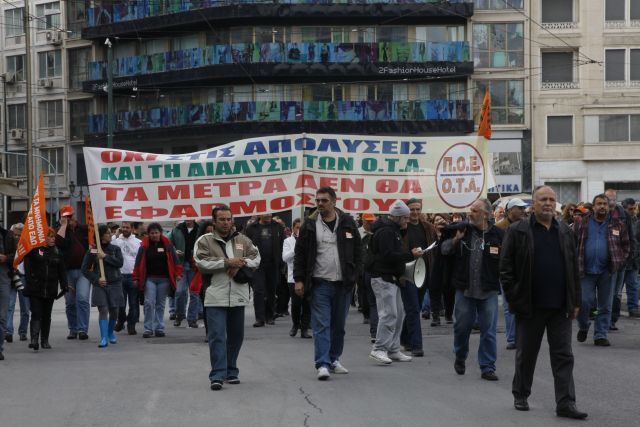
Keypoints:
pixel 327 260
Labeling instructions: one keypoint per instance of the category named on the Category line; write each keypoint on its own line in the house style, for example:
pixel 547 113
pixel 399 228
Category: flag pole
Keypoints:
pixel 93 231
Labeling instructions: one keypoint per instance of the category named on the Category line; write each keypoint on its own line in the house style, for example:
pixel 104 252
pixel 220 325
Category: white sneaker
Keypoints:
pixel 337 368
pixel 398 356
pixel 380 357
pixel 323 373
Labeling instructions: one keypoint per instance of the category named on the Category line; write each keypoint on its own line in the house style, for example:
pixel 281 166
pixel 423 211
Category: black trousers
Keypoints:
pixel 437 296
pixel 41 315
pixel 264 283
pixel 300 310
pixel 282 293
pixel 529 332
pixel 363 302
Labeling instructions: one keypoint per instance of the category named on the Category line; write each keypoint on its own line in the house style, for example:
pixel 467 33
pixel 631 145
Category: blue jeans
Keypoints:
pixel 225 336
pixel 182 291
pixel 600 285
pixel 426 303
pixel 617 283
pixel 509 322
pixel 631 280
pixel 330 303
pixel 172 305
pixel 465 315
pixel 155 298
pixel 411 335
pixel 5 284
pixel 130 292
pixel 24 311
pixel 77 303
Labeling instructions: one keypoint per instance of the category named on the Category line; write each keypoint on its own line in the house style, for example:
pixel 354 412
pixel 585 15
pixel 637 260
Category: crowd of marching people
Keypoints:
pixel 550 267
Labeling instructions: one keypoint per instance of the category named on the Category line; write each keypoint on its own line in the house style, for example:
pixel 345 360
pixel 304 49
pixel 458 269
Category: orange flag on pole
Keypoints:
pixel 88 214
pixel 34 233
pixel 484 129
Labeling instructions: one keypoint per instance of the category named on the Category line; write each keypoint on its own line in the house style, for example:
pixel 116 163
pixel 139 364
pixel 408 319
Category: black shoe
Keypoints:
pixel 511 346
pixel 200 316
pixel 216 385
pixel 193 325
pixel 459 367
pixel 23 337
pixel 1 356
pixel 426 315
pixel 407 348
pixel 258 324
pixel 34 344
pixel 448 319
pixel 521 404
pixel 602 342
pixel 45 345
pixel 172 317
pixel 476 326
pixel 570 411
pixel 305 334
pixel 131 329
pixel 582 335
pixel 119 326
pixel 8 338
pixel 293 332
pixel 271 322
pixel 83 336
pixel 147 334
pixel 72 336
pixel 177 322
pixel 232 380
pixel 436 320
pixel 417 353
pixel 489 376
pixel 159 334
pixel 613 327
pixel 634 313
pixel 365 321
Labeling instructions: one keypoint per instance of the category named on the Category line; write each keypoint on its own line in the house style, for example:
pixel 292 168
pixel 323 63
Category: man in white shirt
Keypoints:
pixel 129 245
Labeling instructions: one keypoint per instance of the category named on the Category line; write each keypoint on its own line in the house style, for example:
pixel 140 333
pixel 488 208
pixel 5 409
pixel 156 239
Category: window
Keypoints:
pixel 78 60
pixel 566 192
pixel 15 65
pixel 498 4
pixel 17 116
pixel 76 17
pixel 50 114
pixel 17 165
pixel 620 70
pixel 392 34
pixel 612 128
pixel 507 101
pixel 440 33
pixel 50 64
pixel 498 45
pixel 48 16
pixel 316 34
pixel 557 11
pixel 78 118
pixel 559 130
pixel 13 22
pixel 54 163
pixel 614 10
pixel 558 70
pixel 618 12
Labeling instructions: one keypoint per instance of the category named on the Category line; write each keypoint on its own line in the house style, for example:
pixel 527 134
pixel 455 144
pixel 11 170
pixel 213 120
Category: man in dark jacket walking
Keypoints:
pixel 183 237
pixel 326 264
pixel 539 275
pixel 268 236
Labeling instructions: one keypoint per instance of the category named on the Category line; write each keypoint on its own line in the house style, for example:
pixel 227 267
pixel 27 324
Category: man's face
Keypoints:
pixel 631 209
pixel 265 219
pixel 613 197
pixel 366 225
pixel 516 213
pixel 544 204
pixel 402 221
pixel 477 215
pixel 416 210
pixel 125 228
pixel 498 213
pixel 325 203
pixel 223 222
pixel 601 207
pixel 154 235
pixel 190 223
pixel 296 229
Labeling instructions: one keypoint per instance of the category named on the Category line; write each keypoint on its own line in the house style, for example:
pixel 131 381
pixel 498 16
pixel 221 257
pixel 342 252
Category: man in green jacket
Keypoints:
pixel 220 256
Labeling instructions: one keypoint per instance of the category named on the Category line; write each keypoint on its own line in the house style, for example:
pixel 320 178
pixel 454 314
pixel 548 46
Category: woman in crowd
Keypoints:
pixel 156 269
pixel 568 213
pixel 300 310
pixel 44 271
pixel 107 292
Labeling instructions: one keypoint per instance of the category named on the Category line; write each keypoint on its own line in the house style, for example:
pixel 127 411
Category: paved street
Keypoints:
pixel 163 382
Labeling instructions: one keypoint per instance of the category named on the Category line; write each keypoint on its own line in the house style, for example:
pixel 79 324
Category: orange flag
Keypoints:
pixel 34 233
pixel 484 129
pixel 88 214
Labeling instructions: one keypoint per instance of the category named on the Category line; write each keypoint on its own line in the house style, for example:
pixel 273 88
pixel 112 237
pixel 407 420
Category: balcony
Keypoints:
pixel 273 61
pixel 118 19
pixel 445 116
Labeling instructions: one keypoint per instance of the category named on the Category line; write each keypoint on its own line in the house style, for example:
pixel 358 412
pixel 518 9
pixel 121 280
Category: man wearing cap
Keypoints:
pixel 420 234
pixel 475 253
pixel 71 239
pixel 386 270
pixel 515 212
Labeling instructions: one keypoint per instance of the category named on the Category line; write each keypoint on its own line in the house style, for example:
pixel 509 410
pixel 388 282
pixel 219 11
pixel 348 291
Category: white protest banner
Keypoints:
pixel 280 173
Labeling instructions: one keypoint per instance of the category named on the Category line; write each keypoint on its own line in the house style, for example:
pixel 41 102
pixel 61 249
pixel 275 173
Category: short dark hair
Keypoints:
pixel 154 226
pixel 414 200
pixel 628 202
pixel 296 221
pixel 327 190
pixel 103 228
pixel 214 212
pixel 600 196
